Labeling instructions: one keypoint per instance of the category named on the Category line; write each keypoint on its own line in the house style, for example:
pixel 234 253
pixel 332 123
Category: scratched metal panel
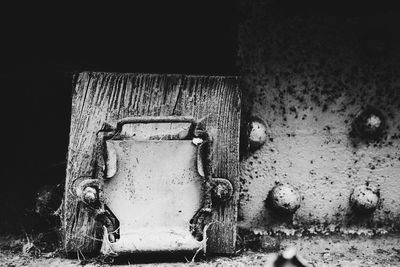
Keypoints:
pixel 154 194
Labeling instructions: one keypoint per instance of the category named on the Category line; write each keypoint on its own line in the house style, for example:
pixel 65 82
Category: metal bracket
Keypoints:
pixel 124 193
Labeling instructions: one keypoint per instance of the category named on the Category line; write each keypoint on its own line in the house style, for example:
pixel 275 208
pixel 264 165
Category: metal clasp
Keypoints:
pixel 157 191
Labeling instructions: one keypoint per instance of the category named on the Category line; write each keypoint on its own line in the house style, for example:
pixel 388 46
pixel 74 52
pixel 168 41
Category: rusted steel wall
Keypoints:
pixel 306 75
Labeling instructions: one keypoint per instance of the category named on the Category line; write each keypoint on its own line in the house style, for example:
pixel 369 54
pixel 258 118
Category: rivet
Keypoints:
pixel 369 123
pixel 257 133
pixel 222 189
pixel 90 195
pixel 284 198
pixel 364 198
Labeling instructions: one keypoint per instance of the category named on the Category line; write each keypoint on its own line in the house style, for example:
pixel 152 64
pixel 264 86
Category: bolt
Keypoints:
pixel 284 198
pixel 369 123
pixel 364 198
pixel 222 189
pixel 257 133
pixel 90 195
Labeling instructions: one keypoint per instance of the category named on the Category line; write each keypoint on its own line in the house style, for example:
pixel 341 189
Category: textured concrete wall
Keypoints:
pixel 307 75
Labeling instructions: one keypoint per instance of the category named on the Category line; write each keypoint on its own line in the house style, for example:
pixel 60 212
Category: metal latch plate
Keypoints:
pixel 154 193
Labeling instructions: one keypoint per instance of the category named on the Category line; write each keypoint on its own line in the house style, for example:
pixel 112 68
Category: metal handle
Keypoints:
pixel 153 119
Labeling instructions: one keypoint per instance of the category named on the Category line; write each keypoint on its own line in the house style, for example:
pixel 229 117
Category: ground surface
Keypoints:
pixel 320 251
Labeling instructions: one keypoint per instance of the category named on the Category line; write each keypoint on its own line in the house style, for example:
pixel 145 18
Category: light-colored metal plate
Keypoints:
pixel 154 193
pixel 146 131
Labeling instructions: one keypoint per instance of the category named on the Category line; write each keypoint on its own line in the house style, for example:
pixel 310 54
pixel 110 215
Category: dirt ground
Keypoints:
pixel 319 251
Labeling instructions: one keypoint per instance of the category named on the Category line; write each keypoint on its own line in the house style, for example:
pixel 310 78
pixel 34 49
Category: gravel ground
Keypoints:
pixel 319 251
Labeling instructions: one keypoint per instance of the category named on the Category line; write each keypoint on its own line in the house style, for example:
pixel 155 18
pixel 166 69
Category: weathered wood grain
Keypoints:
pixel 108 97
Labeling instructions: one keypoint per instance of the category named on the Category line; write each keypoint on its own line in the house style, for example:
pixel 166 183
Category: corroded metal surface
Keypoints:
pixel 304 75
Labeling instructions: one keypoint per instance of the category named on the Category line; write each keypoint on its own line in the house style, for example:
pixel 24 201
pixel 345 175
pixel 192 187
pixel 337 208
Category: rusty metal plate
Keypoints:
pixel 154 192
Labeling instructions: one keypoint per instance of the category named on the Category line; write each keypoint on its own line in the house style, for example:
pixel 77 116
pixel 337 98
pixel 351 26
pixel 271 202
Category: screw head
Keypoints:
pixel 364 198
pixel 285 198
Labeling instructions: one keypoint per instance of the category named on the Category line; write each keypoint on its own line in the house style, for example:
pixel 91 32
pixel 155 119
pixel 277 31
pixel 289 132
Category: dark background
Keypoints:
pixel 43 45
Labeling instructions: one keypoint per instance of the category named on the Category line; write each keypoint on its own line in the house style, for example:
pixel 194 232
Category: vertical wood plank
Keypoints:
pixel 108 97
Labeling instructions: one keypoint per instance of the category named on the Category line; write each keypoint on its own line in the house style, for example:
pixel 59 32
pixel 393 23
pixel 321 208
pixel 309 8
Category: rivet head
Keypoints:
pixel 364 198
pixel 284 198
pixel 90 195
pixel 369 123
pixel 257 133
pixel 222 189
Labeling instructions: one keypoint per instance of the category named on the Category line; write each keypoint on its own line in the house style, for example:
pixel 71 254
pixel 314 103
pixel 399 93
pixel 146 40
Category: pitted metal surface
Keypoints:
pixel 307 77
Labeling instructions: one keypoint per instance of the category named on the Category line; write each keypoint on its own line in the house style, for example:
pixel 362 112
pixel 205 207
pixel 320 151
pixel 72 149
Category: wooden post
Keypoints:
pixel 108 97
